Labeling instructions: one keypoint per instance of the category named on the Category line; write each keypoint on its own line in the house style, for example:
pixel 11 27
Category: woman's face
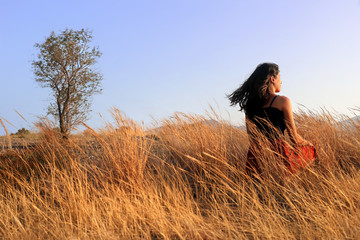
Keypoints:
pixel 277 83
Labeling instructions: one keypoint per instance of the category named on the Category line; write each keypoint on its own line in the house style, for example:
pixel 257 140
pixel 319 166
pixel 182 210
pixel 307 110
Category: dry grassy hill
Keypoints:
pixel 184 181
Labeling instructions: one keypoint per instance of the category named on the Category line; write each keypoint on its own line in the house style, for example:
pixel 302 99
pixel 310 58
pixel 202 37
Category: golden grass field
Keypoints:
pixel 184 180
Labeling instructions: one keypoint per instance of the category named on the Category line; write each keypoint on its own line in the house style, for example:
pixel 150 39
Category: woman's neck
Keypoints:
pixel 272 90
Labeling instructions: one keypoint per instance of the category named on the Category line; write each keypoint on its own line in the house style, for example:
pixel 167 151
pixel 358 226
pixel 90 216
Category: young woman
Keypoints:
pixel 270 115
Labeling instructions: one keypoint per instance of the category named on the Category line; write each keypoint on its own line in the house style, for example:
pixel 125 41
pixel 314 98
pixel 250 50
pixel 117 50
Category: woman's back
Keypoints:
pixel 270 121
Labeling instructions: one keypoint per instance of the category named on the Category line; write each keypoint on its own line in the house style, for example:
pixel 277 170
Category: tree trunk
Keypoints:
pixel 63 130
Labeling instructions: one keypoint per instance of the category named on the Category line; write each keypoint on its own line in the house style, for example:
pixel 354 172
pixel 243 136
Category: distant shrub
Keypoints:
pixel 153 137
pixel 22 133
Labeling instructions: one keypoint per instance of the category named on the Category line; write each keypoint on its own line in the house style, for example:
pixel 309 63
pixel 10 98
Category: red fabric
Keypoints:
pixel 294 159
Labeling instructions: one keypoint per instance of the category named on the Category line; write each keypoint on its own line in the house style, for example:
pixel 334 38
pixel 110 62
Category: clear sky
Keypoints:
pixel 166 56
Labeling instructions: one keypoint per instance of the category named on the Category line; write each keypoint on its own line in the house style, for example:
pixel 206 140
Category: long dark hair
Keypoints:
pixel 254 92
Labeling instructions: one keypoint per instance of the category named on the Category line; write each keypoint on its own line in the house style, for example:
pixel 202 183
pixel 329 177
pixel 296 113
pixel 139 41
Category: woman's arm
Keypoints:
pixel 290 123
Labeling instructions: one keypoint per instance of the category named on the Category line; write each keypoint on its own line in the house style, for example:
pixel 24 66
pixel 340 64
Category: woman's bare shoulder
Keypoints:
pixel 284 102
pixel 283 98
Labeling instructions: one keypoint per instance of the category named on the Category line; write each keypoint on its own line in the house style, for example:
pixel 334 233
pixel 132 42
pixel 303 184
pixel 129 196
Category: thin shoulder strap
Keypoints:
pixel 273 100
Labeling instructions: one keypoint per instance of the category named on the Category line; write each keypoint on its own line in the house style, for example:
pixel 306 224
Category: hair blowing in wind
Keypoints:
pixel 254 92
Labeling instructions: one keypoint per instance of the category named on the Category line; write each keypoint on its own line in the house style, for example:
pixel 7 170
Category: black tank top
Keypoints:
pixel 270 121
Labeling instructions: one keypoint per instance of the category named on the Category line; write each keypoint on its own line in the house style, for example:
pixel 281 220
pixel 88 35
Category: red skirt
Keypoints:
pixel 295 159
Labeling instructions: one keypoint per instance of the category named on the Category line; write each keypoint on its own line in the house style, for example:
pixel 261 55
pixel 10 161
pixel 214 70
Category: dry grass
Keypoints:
pixel 184 180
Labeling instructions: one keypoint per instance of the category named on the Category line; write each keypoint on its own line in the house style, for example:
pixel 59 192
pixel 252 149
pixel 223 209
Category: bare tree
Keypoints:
pixel 65 64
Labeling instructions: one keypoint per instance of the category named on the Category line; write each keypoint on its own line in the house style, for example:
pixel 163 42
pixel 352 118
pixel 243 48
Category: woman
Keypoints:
pixel 267 117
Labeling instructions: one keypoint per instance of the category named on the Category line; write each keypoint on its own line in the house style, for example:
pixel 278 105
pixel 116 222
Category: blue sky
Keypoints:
pixel 162 56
